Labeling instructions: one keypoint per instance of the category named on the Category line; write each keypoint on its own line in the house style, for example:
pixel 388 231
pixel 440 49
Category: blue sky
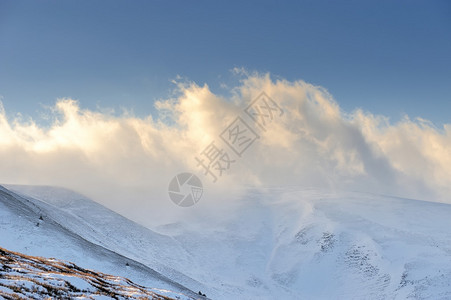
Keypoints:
pixel 387 57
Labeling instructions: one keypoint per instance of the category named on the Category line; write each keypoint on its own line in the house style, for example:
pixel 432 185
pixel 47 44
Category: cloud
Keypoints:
pixel 126 162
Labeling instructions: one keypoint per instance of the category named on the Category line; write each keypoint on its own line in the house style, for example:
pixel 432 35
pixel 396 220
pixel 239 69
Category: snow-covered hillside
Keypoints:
pixel 31 277
pixel 284 243
pixel 32 227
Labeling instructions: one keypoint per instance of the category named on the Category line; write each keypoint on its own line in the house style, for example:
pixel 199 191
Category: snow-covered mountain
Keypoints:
pixel 284 243
pixel 38 228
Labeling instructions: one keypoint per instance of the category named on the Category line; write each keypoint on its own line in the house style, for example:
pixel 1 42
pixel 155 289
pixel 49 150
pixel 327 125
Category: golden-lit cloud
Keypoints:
pixel 126 162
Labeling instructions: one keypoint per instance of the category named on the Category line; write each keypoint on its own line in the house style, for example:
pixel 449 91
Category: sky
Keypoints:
pixel 387 57
pixel 113 99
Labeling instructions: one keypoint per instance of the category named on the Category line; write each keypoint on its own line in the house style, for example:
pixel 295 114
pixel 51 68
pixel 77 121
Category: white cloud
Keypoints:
pixel 127 162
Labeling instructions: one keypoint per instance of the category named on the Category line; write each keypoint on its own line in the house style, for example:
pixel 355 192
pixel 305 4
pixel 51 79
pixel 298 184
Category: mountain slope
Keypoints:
pixel 31 277
pixel 22 230
pixel 286 243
